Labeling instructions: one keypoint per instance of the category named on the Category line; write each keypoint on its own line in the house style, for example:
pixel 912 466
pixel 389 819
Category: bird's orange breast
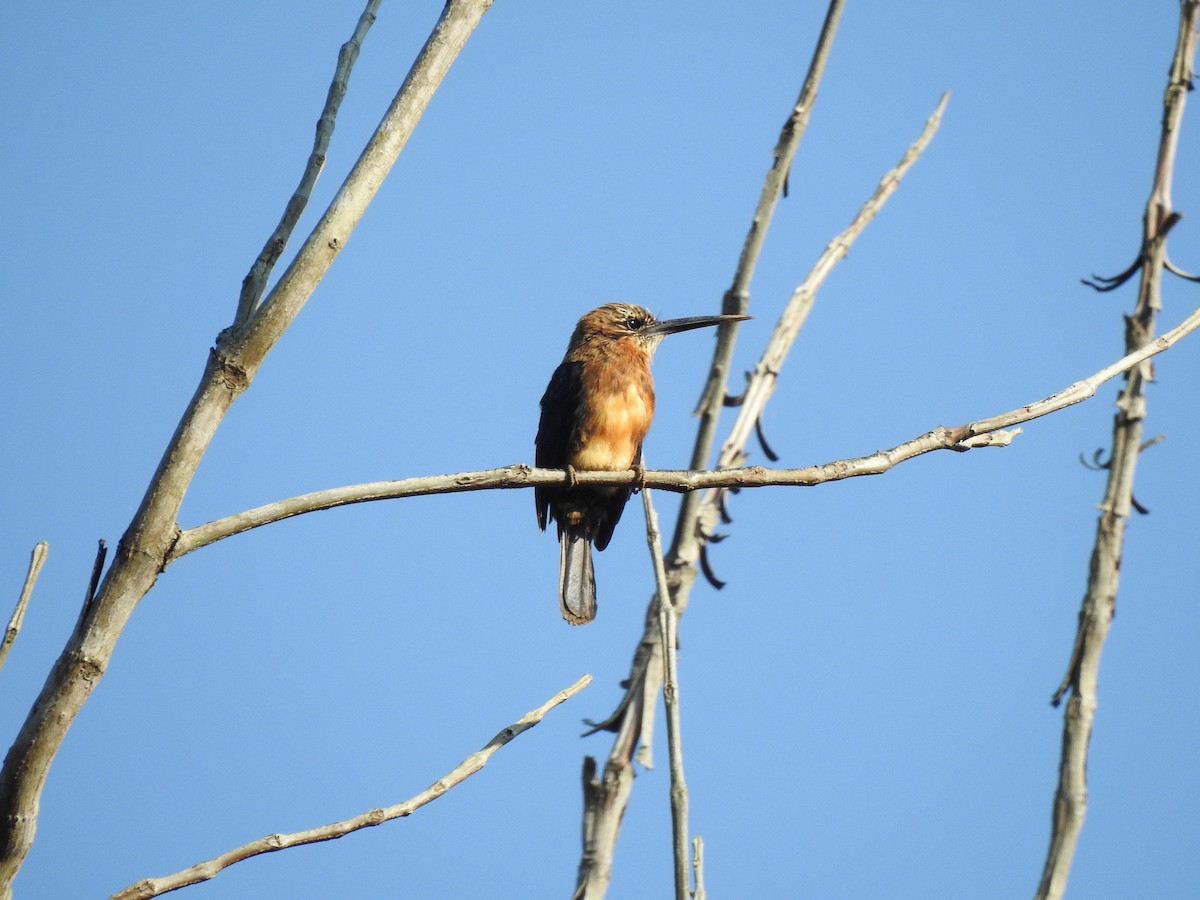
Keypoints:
pixel 617 411
pixel 613 431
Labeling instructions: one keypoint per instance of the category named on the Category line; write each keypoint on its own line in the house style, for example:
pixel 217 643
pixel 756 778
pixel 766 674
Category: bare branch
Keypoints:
pixel 737 298
pixel 37 559
pixel 1099 602
pixel 667 629
pixel 697 517
pixel 89 596
pixel 987 432
pixel 232 364
pixel 762 380
pixel 698 868
pixel 255 281
pixel 155 887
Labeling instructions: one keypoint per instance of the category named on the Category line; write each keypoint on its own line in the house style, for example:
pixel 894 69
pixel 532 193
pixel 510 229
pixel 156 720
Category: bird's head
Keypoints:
pixel 620 322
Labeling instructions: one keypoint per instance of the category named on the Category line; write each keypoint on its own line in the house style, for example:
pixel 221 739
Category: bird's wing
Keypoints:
pixel 560 413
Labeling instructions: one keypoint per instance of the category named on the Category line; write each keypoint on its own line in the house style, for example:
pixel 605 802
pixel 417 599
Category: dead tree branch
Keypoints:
pixel 667 632
pixel 156 887
pixel 1099 602
pixel 255 281
pixel 988 432
pixel 633 718
pixel 232 364
pixel 37 559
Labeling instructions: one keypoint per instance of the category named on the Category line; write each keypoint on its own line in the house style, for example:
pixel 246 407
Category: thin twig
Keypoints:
pixel 737 298
pixel 698 868
pixel 1099 602
pixel 37 559
pixel 154 887
pixel 667 622
pixel 255 281
pixel 697 519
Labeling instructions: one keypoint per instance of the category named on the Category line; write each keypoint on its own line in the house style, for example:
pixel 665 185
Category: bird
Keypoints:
pixel 595 414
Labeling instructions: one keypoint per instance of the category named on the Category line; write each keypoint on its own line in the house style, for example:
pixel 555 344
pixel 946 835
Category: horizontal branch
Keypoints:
pixel 981 433
pixel 156 887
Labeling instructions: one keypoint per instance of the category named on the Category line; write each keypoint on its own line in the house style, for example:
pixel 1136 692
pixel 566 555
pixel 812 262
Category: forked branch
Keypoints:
pixel 232 364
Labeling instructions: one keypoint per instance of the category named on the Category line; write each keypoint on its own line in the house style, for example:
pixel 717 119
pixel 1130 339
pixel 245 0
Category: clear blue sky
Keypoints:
pixel 864 706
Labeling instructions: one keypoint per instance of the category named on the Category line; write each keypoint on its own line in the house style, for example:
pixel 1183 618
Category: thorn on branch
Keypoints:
pixel 726 518
pixel 1095 465
pixel 709 575
pixel 97 568
pixel 762 441
pixel 1098 464
pixel 738 399
pixel 1104 283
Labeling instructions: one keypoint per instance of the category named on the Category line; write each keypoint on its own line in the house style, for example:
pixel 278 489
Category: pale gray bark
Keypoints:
pixel 203 871
pixel 37 559
pixel 145 547
pixel 1100 600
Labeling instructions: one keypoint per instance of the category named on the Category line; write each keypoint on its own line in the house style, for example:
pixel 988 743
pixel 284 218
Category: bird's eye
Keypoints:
pixel 633 323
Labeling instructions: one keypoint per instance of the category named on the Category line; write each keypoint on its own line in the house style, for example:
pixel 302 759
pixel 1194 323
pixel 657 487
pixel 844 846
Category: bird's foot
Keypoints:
pixel 572 478
pixel 639 477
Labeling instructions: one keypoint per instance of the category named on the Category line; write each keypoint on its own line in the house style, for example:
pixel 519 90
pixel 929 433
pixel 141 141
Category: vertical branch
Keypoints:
pixel 144 548
pixel 1099 603
pixel 667 622
pixel 698 868
pixel 37 559
pixel 633 717
pixel 255 281
pixel 737 298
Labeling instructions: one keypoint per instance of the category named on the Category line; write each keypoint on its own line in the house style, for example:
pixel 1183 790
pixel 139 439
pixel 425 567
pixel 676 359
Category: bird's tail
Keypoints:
pixel 576 578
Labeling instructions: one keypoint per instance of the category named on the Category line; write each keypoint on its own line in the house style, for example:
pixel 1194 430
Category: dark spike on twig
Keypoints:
pixel 89 597
pixel 1103 283
pixel 739 399
pixel 97 568
pixel 762 441
pixel 709 575
pixel 1141 509
pixel 1095 465
pixel 726 518
pixel 716 537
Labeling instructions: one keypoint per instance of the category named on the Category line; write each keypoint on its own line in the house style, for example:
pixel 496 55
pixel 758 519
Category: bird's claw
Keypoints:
pixel 639 477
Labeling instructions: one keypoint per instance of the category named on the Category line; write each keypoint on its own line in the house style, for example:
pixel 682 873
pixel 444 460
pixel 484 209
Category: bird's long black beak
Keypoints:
pixel 670 326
